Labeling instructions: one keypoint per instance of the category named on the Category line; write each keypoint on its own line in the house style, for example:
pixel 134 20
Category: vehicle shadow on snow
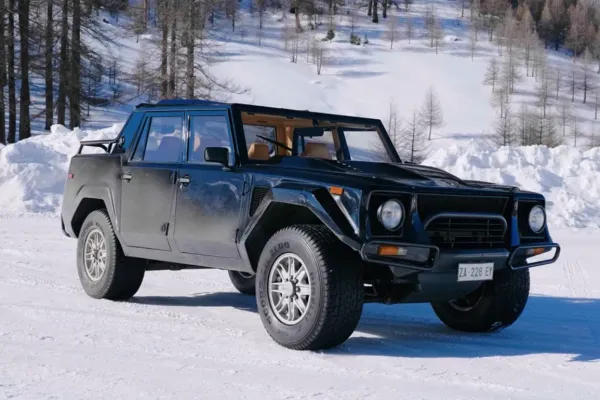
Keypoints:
pixel 549 325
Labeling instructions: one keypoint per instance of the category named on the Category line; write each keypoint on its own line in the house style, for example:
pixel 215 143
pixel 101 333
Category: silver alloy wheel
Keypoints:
pixel 94 255
pixel 289 289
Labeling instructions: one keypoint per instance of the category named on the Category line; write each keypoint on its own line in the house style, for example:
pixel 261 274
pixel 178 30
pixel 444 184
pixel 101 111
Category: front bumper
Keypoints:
pixel 420 257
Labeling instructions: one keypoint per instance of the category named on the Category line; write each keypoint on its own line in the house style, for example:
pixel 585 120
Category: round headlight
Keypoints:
pixel 537 219
pixel 391 214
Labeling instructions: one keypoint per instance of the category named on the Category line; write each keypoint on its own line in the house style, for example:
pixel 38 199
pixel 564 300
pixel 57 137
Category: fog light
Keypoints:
pixel 392 251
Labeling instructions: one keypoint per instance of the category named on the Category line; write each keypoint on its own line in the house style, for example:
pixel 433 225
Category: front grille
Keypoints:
pixel 432 204
pixel 467 232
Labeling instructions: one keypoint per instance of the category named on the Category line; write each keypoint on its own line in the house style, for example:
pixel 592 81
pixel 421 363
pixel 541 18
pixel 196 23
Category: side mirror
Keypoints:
pixel 217 154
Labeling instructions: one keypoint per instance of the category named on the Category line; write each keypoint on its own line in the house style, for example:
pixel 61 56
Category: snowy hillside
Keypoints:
pixel 355 79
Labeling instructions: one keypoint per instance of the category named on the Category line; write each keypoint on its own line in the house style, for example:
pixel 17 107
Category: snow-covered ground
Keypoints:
pixel 191 335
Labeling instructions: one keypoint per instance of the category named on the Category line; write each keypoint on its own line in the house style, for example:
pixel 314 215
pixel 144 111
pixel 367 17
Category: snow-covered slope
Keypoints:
pixel 568 177
pixel 33 171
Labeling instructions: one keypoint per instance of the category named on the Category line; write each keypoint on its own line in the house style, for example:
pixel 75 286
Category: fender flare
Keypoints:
pixel 316 199
pixel 97 193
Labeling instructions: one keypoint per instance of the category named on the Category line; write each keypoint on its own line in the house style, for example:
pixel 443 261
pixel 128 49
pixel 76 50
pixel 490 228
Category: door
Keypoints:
pixel 148 182
pixel 208 198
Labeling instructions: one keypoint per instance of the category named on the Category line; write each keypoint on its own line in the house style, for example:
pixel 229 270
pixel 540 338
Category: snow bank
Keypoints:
pixel 33 171
pixel 568 177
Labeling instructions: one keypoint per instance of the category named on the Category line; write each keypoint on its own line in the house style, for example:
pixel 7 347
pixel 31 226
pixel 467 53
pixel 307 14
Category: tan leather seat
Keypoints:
pixel 316 150
pixel 258 151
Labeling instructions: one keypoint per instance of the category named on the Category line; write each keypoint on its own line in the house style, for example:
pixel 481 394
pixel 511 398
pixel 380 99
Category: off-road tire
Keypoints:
pixel 337 293
pixel 245 285
pixel 122 276
pixel 501 303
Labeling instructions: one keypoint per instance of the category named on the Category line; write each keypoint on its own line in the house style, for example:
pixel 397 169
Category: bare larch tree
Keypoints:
pixel 25 97
pixel 49 70
pixel 12 88
pixel 565 116
pixel 431 115
pixel 2 73
pixel 492 74
pixel 414 145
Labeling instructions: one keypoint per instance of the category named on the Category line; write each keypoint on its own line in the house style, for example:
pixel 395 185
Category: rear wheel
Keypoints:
pixel 309 289
pixel 104 271
pixel 244 282
pixel 495 305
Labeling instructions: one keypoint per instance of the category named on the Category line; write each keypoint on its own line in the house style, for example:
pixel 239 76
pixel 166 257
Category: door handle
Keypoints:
pixel 184 180
pixel 126 176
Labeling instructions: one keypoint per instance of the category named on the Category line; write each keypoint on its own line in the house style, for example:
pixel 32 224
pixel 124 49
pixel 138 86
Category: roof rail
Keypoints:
pixel 182 102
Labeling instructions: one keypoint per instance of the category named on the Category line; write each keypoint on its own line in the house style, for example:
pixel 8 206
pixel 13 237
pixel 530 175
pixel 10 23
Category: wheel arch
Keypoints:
pixel 289 204
pixel 89 199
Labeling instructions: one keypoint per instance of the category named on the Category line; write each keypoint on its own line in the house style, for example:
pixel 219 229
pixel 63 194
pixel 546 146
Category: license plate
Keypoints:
pixel 475 272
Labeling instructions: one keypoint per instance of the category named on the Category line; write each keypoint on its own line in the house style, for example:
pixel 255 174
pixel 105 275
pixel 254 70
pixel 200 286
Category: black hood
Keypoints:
pixel 408 174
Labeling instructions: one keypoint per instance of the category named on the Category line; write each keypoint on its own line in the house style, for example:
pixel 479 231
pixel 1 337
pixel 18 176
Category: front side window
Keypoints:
pixel 207 131
pixel 163 141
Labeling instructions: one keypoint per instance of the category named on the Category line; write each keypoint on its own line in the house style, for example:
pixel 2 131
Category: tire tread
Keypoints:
pixel 342 295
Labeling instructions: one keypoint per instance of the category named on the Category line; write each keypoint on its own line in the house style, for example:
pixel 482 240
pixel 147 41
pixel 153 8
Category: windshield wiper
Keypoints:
pixel 274 142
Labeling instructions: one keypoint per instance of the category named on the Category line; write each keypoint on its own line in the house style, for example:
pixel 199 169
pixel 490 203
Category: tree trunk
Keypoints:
pixel 75 75
pixel 297 16
pixel 375 12
pixel 173 55
pixel 385 7
pixel 164 56
pixel 146 9
pixel 24 121
pixel 12 90
pixel 370 11
pixel 2 75
pixel 49 70
pixel 191 37
pixel 61 102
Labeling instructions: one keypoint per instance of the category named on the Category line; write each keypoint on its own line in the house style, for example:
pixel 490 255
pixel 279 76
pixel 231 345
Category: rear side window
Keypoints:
pixel 163 140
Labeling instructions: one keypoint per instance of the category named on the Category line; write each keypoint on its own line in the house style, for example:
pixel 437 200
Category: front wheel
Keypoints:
pixel 309 289
pixel 495 305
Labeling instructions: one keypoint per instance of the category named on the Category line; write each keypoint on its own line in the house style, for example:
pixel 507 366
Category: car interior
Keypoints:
pixel 321 143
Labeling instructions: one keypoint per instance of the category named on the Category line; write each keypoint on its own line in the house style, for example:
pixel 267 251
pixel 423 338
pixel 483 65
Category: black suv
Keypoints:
pixel 313 213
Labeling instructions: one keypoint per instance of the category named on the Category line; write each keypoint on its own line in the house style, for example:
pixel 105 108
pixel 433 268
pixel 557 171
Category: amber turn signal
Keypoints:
pixel 336 190
pixel 386 250
pixel 536 251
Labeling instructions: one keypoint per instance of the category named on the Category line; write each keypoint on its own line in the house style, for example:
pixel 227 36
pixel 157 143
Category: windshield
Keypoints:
pixel 361 144
pixel 366 146
pixel 269 137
